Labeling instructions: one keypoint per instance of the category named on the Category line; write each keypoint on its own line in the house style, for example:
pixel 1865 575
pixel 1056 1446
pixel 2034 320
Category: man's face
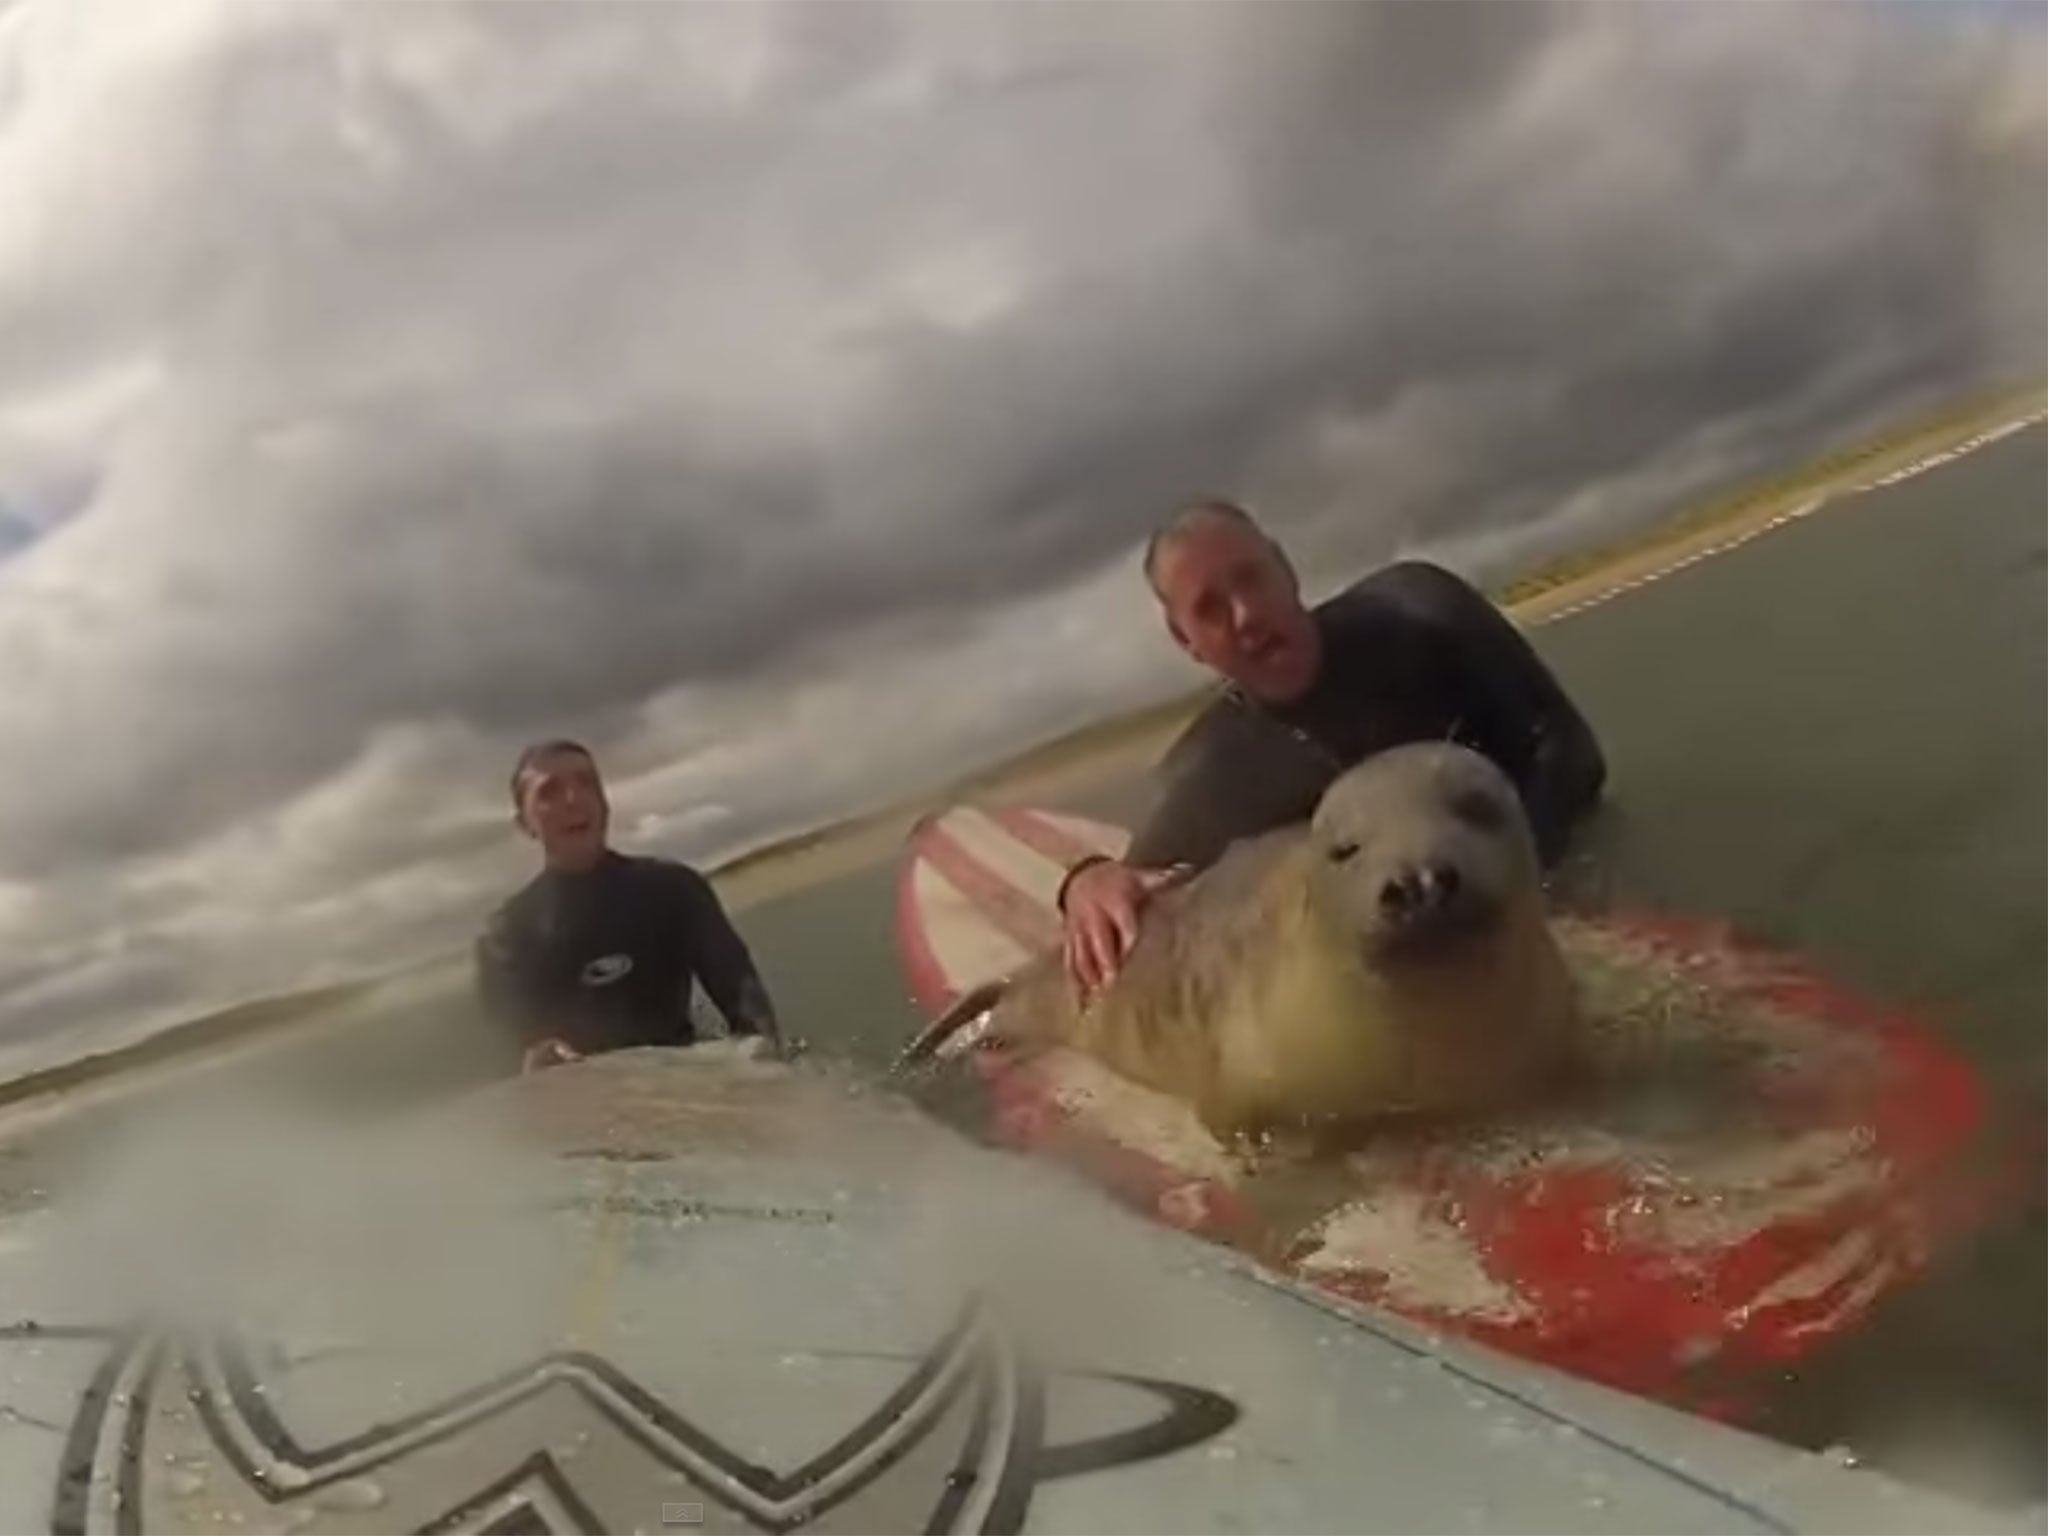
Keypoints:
pixel 562 806
pixel 1233 605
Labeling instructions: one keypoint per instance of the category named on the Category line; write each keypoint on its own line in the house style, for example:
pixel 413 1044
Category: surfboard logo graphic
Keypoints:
pixel 606 969
pixel 957 1445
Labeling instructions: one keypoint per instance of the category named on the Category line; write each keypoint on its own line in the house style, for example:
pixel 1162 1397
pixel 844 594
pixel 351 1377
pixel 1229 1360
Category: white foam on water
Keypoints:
pixel 1425 1260
pixel 1158 1125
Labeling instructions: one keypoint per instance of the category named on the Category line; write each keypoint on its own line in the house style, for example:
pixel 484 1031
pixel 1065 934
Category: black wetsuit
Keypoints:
pixel 607 959
pixel 1410 653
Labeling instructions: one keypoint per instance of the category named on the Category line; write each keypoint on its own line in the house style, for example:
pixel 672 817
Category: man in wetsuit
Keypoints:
pixel 1409 653
pixel 600 951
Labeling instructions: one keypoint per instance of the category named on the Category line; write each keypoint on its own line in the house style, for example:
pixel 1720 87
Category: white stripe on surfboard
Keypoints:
pixel 999 851
pixel 1100 836
pixel 968 947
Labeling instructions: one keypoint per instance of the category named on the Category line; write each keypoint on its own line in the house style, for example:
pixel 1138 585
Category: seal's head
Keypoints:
pixel 1419 849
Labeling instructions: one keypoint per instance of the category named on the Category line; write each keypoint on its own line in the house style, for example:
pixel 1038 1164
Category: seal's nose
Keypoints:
pixel 1418 893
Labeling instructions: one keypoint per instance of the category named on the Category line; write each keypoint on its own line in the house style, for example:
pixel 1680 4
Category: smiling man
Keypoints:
pixel 1409 653
pixel 600 951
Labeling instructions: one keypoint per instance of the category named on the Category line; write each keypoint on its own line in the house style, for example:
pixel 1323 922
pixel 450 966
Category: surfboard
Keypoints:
pixel 1773 1156
pixel 685 1290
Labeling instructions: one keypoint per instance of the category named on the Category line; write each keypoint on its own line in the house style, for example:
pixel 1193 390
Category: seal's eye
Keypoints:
pixel 1477 808
pixel 1343 853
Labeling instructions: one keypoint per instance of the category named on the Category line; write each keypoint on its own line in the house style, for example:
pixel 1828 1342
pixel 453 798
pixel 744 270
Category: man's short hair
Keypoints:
pixel 1185 516
pixel 530 758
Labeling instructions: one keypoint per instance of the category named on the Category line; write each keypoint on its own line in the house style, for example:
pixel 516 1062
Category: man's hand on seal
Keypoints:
pixel 1101 904
pixel 551 1052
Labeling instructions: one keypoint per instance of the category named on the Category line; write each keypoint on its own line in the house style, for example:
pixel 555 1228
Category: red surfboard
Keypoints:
pixel 1774 1157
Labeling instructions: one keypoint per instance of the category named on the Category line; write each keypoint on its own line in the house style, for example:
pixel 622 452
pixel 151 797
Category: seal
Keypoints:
pixel 1390 957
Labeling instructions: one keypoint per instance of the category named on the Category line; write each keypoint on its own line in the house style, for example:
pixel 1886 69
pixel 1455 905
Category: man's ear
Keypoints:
pixel 1286 566
pixel 1174 630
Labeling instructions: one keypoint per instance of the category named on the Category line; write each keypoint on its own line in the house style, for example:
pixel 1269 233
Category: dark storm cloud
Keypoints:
pixel 449 374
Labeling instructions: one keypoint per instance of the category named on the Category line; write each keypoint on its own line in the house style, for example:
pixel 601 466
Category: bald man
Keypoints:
pixel 1409 653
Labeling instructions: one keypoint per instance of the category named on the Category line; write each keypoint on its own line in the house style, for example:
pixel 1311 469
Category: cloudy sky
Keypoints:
pixel 773 394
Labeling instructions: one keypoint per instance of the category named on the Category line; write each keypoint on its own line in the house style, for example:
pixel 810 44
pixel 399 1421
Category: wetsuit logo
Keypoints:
pixel 606 969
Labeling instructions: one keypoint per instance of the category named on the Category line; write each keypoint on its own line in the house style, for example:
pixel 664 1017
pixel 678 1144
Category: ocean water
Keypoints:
pixel 1837 737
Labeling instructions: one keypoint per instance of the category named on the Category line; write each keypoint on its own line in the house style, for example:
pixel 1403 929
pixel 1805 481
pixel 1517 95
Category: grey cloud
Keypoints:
pixel 497 371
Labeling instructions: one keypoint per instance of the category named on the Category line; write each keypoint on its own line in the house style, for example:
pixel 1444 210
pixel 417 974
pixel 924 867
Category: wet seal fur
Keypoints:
pixel 1389 958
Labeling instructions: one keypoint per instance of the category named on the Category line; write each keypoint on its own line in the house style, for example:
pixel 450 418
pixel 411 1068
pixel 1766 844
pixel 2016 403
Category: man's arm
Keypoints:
pixel 506 995
pixel 1176 832
pixel 498 982
pixel 1233 774
pixel 1189 827
pixel 1182 831
pixel 722 961
pixel 1526 719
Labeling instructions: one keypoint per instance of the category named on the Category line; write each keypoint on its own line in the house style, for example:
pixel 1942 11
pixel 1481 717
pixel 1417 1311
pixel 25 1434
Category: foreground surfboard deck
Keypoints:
pixel 1768 1158
pixel 684 1290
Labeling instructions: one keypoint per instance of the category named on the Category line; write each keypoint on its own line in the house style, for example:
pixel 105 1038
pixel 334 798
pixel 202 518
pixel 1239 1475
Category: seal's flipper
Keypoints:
pixel 972 1005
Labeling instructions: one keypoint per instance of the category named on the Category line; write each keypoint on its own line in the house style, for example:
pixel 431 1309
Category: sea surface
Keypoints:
pixel 1835 736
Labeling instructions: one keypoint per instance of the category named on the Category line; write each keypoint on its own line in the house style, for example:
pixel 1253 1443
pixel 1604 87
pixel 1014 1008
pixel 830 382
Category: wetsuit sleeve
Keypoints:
pixel 1178 835
pixel 1520 715
pixel 1183 827
pixel 721 959
pixel 502 987
pixel 1231 775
